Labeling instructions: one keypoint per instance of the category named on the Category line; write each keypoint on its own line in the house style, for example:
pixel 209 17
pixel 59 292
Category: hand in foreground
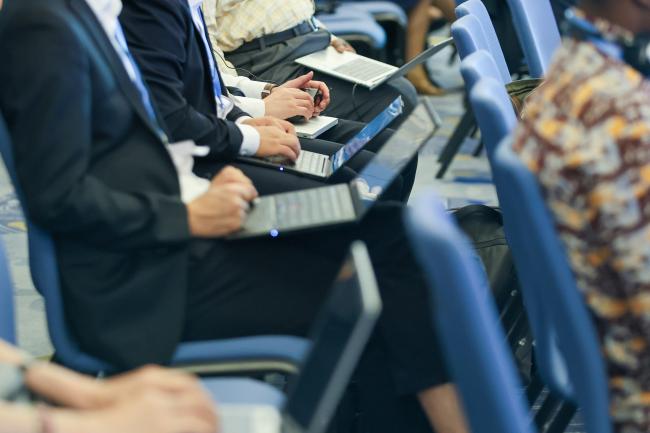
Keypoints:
pixel 222 209
pixel 144 410
pixel 284 103
pixel 306 81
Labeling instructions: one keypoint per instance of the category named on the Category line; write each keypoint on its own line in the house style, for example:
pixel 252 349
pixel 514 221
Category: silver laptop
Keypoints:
pixel 317 165
pixel 279 214
pixel 339 337
pixel 363 70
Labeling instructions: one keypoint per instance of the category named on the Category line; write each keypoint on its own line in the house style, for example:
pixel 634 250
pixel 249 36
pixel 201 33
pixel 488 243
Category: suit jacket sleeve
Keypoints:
pixel 48 109
pixel 157 32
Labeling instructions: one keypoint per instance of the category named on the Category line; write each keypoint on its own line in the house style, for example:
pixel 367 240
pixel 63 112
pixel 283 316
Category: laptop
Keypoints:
pixel 320 166
pixel 339 337
pixel 279 214
pixel 315 126
pixel 362 70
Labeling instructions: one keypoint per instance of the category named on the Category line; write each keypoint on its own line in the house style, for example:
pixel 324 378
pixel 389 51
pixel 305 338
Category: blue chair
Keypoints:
pixel 493 110
pixel 476 66
pixel 468 38
pixel 7 316
pixel 392 18
pixel 538 33
pixel 357 27
pixel 260 353
pixel 467 322
pixel 477 9
pixel 570 358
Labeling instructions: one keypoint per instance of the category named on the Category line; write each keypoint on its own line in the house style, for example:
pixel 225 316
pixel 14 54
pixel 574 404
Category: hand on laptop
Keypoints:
pixel 277 137
pixel 284 103
pixel 306 81
pixel 222 209
pixel 147 410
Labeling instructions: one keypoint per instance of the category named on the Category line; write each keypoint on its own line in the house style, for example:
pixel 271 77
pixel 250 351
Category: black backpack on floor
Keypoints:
pixel 484 227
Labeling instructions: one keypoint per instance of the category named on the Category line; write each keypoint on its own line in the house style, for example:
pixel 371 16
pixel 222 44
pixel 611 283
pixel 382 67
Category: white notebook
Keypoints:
pixel 316 126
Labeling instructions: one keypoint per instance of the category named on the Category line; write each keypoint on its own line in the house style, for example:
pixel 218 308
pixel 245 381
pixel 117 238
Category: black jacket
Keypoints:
pixel 95 173
pixel 171 55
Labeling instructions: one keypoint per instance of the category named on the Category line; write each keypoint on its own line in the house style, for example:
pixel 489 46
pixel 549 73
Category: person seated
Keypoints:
pixel 585 134
pixel 169 42
pixel 150 399
pixel 237 26
pixel 140 270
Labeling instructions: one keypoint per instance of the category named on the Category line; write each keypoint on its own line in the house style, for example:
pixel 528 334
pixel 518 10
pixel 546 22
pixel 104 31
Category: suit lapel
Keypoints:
pixel 94 28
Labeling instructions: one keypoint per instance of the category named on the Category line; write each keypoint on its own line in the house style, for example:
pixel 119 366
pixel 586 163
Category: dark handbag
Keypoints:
pixel 484 227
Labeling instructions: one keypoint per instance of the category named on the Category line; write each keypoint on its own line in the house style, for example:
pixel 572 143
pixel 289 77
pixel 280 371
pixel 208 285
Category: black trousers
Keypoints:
pixel 277 286
pixel 270 181
pixel 277 64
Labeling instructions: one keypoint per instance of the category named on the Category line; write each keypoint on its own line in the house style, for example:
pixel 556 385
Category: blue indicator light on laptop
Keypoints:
pixel 274 233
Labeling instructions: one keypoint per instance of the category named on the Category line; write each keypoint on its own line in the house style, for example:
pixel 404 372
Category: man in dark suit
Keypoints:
pixel 168 39
pixel 140 269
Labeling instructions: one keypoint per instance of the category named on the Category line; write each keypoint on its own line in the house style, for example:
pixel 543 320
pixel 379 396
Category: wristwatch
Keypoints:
pixel 268 89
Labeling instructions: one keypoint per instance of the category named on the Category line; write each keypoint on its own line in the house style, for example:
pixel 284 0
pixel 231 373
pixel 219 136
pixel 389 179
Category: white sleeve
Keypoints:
pixel 251 141
pixel 252 89
pixel 254 107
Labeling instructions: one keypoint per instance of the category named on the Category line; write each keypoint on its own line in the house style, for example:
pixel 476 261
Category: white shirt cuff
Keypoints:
pixel 254 107
pixel 252 89
pixel 250 143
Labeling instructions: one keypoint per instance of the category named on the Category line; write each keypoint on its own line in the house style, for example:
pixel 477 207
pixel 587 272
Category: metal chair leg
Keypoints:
pixel 454 144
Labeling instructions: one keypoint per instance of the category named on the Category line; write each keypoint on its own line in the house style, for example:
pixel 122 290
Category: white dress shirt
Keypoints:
pixel 107 12
pixel 251 138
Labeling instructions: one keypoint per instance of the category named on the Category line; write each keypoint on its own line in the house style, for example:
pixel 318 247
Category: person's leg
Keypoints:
pixel 420 18
pixel 268 286
pixel 443 407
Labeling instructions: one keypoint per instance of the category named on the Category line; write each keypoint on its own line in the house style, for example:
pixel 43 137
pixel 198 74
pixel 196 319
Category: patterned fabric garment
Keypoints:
pixel 232 23
pixel 586 134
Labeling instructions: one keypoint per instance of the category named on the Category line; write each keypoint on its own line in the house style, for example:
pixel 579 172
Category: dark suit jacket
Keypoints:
pixel 171 55
pixel 95 173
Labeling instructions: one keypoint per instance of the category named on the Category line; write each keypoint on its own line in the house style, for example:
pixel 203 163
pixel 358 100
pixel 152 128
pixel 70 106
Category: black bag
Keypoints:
pixel 484 227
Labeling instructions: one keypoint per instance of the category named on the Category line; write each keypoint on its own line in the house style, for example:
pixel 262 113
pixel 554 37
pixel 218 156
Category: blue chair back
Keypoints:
pixel 538 33
pixel 45 275
pixel 468 35
pixel 7 310
pixel 477 9
pixel 569 355
pixel 494 113
pixel 476 66
pixel 467 321
pixel 496 119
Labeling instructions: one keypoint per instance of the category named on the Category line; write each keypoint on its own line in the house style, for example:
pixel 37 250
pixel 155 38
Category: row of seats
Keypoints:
pixel 539 37
pixel 567 352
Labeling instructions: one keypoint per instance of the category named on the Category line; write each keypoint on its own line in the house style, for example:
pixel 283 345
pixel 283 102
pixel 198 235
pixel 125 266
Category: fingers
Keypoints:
pixel 325 92
pixel 293 143
pixel 245 194
pixel 231 175
pixel 287 127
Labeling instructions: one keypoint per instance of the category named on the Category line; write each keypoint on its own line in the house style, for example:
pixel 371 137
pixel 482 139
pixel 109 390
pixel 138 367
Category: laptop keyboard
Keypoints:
pixel 314 206
pixel 311 162
pixel 363 69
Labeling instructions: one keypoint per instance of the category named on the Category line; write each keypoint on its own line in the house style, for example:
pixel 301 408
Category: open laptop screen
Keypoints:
pixel 414 133
pixel 370 131
pixel 339 337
